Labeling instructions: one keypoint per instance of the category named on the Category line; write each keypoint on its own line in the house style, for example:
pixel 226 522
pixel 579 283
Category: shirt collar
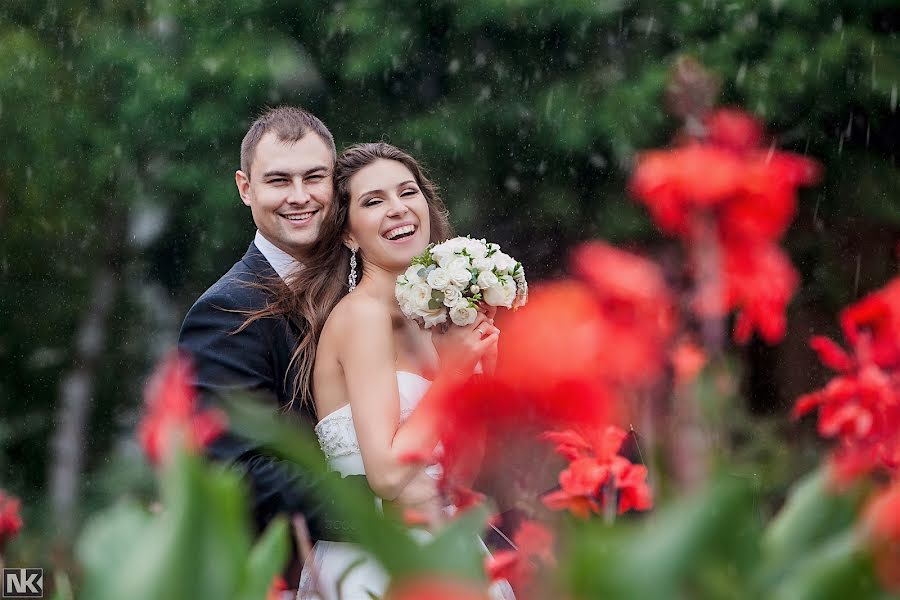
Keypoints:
pixel 283 263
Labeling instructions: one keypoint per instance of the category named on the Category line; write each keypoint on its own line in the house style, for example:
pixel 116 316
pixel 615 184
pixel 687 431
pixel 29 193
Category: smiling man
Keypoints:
pixel 287 160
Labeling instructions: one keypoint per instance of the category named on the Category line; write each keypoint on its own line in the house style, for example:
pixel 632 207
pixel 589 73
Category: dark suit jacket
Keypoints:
pixel 256 359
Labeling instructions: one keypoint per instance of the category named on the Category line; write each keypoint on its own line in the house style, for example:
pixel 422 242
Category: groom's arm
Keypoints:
pixel 227 362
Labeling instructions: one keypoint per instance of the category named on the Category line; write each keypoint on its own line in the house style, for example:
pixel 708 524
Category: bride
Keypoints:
pixel 363 364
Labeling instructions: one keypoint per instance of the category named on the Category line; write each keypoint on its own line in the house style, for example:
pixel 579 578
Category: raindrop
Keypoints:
pixel 742 72
pixel 894 98
pixel 512 184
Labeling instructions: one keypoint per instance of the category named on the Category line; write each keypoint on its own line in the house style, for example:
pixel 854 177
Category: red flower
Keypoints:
pixel 861 406
pixel 278 586
pixel 878 314
pixel 734 129
pixel 10 519
pixel 434 588
pixel 595 464
pixel 675 183
pixel 749 194
pixel 881 519
pixel 688 361
pixel 534 543
pixel 638 314
pixel 172 412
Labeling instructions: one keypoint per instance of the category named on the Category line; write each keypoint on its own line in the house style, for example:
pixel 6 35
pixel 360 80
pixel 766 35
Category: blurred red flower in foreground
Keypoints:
pixel 10 520
pixel 534 543
pixel 861 405
pixel 435 588
pixel 595 463
pixel 172 412
pixel 278 586
pixel 748 192
pixel 881 519
pixel 637 310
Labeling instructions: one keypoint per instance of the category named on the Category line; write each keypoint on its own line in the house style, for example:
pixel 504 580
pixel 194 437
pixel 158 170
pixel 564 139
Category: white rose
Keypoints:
pixel 476 248
pixel 452 295
pixel 486 279
pixel 420 296
pixel 482 264
pixel 443 253
pixel 460 277
pixel 502 295
pixel 433 317
pixel 462 314
pixel 439 279
pixel 503 262
pixel 412 274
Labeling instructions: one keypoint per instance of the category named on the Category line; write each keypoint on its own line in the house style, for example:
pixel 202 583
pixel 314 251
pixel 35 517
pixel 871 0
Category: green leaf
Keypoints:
pixel 266 561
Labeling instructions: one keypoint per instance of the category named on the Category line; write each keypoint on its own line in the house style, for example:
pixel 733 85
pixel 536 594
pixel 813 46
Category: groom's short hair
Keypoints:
pixel 289 123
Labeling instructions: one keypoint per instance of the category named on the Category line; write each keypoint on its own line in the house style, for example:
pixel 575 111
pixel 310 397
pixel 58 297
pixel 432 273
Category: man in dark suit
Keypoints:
pixel 287 160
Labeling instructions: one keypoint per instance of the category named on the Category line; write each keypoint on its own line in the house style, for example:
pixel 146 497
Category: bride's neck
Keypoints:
pixel 379 282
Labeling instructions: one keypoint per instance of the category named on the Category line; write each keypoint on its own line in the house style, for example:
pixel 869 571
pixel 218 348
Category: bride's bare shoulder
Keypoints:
pixel 357 312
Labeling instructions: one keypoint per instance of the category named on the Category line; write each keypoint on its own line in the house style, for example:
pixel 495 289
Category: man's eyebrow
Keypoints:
pixel 268 174
pixel 290 174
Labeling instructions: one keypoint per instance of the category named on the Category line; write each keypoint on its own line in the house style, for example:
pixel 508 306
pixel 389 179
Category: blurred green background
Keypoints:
pixel 121 124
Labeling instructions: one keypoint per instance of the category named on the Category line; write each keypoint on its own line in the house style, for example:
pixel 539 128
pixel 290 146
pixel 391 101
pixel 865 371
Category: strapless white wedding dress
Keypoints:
pixel 329 564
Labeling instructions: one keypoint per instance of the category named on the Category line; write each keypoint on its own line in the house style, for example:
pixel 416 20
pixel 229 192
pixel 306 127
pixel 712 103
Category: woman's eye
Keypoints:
pixel 409 192
pixel 315 178
pixel 373 201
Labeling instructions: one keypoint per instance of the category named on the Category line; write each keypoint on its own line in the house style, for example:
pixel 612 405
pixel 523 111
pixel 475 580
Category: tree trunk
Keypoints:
pixel 75 394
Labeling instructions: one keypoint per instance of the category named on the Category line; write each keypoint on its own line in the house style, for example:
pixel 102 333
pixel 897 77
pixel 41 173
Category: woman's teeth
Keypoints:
pixel 399 232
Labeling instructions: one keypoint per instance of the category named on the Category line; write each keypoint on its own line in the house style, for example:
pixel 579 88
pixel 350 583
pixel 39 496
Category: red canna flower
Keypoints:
pixel 10 519
pixel 749 194
pixel 278 586
pixel 881 522
pixel 733 129
pixel 860 407
pixel 595 463
pixel 534 543
pixel 688 360
pixel 434 588
pixel 878 314
pixel 172 412
pixel 637 310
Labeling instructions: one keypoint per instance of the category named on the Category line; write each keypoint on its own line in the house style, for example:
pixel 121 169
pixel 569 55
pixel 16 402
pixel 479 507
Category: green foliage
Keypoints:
pixel 712 545
pixel 122 123
pixel 197 546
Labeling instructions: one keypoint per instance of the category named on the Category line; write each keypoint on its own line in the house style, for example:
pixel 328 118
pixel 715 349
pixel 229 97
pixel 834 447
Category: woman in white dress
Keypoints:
pixel 366 366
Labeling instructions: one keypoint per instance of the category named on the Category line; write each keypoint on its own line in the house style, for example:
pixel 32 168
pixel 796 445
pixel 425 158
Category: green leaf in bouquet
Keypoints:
pixel 266 561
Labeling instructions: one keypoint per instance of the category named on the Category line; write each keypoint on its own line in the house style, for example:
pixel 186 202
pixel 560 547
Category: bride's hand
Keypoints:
pixel 489 359
pixel 460 348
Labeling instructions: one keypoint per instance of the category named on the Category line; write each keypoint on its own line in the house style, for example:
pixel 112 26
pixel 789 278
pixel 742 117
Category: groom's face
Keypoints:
pixel 289 190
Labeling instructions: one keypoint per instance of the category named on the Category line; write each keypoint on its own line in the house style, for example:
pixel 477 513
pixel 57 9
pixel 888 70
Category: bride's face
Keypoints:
pixel 388 215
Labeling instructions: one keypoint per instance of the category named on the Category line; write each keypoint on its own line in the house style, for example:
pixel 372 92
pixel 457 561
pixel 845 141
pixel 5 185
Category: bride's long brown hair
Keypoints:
pixel 312 293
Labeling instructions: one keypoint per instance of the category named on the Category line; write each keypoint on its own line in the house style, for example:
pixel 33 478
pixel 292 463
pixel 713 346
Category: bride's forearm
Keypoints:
pixel 414 442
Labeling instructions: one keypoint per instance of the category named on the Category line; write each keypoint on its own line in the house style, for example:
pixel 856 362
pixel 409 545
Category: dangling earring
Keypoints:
pixel 351 280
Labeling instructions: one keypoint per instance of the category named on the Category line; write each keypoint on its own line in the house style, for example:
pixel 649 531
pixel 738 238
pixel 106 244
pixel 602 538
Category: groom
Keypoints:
pixel 287 160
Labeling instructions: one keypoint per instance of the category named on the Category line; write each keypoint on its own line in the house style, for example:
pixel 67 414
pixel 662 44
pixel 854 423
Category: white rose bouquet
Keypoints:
pixel 450 279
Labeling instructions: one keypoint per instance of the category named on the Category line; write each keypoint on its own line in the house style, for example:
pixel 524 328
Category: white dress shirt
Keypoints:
pixel 283 263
